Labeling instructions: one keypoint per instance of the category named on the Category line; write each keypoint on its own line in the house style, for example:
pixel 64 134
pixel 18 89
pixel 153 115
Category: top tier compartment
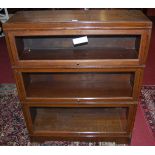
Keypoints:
pixel 44 38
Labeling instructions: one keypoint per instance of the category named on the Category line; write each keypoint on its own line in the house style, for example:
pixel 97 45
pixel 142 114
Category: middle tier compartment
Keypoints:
pixel 78 86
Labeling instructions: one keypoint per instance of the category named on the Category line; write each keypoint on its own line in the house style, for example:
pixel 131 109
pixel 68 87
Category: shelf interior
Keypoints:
pixel 62 48
pixel 78 84
pixel 59 120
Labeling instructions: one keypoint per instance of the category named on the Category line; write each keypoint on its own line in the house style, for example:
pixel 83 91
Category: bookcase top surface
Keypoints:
pixel 108 18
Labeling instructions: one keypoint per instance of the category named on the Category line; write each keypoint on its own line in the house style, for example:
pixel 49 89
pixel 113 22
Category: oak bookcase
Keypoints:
pixel 84 92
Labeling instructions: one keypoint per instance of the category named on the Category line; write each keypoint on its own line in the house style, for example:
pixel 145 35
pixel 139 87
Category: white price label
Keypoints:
pixel 80 40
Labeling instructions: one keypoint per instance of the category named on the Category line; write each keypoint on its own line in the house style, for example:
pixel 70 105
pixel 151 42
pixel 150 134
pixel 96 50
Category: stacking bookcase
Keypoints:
pixel 84 91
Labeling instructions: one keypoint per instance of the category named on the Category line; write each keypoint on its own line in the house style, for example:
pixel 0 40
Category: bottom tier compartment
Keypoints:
pixel 78 120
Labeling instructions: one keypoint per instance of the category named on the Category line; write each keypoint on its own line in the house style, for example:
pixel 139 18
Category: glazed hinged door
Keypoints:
pixel 79 86
pixel 79 49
